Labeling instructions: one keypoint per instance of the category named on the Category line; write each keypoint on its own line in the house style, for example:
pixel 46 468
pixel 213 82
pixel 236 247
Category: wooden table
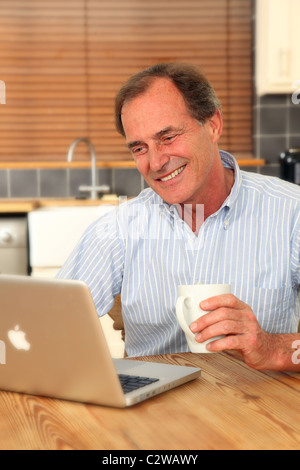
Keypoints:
pixel 230 407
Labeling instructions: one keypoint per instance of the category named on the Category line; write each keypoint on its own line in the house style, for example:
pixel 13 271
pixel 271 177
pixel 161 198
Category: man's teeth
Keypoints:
pixel 172 175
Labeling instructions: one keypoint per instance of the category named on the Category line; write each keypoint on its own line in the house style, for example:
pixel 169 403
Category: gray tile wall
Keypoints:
pixel 276 129
pixel 42 183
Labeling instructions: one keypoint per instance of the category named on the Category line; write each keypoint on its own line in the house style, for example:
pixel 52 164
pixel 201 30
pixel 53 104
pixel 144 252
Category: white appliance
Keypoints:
pixel 53 234
pixel 13 245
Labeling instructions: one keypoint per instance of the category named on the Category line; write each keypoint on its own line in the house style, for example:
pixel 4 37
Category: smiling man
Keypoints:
pixel 175 147
pixel 247 234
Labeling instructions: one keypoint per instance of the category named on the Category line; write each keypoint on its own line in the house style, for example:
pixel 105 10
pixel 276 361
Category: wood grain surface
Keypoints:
pixel 230 407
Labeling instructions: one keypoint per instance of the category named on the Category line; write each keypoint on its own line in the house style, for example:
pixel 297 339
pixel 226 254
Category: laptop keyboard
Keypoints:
pixel 133 382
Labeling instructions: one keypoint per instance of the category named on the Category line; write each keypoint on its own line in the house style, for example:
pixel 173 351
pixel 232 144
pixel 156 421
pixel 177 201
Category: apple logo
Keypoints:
pixel 18 340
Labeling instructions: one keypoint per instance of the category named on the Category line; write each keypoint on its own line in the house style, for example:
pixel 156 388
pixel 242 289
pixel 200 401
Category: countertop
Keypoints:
pixel 9 206
pixel 243 160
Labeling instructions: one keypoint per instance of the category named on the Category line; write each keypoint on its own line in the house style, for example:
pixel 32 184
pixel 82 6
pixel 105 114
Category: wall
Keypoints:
pixel 276 129
pixel 41 183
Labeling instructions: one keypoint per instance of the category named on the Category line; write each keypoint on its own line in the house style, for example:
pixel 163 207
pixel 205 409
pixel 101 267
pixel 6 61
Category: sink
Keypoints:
pixel 55 231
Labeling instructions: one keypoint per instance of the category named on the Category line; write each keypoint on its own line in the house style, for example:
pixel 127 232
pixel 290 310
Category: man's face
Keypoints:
pixel 174 152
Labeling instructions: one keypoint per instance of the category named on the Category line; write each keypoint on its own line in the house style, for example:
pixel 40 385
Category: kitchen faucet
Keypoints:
pixel 94 189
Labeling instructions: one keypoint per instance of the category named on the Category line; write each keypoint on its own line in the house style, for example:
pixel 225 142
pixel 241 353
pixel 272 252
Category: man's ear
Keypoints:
pixel 216 126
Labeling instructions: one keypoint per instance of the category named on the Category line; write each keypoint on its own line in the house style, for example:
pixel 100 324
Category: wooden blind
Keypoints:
pixel 63 61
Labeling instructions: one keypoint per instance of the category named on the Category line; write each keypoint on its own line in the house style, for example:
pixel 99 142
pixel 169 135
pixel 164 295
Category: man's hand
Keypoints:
pixel 231 317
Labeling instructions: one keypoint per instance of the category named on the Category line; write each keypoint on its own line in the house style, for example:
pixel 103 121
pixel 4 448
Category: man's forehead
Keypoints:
pixel 162 91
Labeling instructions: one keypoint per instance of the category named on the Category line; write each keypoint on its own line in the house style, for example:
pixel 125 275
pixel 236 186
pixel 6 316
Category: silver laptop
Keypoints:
pixel 52 344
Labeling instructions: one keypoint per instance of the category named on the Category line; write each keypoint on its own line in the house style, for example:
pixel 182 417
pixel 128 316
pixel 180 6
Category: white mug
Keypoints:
pixel 188 310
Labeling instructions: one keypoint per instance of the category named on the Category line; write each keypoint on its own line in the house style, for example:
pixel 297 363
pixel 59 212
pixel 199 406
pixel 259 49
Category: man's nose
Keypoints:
pixel 157 159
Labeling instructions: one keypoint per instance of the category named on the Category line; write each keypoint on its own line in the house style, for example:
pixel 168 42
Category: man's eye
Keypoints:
pixel 170 138
pixel 138 150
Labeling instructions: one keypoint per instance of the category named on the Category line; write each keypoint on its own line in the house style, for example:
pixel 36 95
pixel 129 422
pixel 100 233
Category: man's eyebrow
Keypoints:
pixel 131 145
pixel 165 131
pixel 156 136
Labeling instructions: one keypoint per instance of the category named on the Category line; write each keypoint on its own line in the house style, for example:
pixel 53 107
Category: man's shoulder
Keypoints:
pixel 270 186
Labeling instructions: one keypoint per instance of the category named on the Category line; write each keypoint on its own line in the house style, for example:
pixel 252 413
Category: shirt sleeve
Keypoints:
pixel 98 260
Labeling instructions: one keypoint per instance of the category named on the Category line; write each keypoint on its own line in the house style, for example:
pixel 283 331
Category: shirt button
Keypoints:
pixel 226 224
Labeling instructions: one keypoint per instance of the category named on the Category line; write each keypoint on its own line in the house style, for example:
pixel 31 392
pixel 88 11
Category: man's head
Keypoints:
pixel 171 119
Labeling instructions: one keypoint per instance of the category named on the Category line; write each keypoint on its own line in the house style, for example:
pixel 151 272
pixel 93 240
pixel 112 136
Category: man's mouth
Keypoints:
pixel 172 175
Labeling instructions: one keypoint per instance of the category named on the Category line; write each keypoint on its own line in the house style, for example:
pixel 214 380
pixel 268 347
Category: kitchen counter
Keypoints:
pixel 28 205
pixel 243 160
pixel 11 206
pixel 14 206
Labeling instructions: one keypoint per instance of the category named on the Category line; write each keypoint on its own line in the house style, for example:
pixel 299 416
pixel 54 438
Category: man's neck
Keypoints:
pixel 195 213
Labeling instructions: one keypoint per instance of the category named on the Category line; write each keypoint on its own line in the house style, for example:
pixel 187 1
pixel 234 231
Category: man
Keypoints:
pixel 202 220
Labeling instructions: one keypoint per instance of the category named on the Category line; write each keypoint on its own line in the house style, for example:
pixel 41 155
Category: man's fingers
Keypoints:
pixel 224 300
pixel 227 327
pixel 215 317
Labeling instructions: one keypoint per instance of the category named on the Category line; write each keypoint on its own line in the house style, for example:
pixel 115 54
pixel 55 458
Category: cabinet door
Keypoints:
pixel 295 40
pixel 279 43
pixel 277 39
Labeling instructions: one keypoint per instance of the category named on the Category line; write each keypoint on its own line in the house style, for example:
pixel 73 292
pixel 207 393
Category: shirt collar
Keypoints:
pixel 230 162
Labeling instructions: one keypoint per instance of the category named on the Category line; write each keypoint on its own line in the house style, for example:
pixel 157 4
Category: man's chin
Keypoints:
pixel 169 195
pixel 170 199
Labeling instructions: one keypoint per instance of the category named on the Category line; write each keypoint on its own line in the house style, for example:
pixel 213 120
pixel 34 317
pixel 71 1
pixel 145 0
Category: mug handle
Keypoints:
pixel 187 302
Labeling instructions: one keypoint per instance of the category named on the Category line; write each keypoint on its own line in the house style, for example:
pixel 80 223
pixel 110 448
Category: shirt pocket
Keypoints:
pixel 275 309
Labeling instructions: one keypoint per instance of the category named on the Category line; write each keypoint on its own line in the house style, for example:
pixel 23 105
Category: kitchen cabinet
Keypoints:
pixel 277 46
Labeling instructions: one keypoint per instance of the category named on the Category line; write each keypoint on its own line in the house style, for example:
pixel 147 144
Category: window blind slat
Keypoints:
pixel 63 61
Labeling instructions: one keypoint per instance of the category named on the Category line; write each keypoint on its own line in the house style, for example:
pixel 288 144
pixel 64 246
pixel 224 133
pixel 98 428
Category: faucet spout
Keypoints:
pixel 94 188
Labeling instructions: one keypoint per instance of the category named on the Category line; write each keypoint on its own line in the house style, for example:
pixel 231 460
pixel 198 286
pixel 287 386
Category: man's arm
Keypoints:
pixel 260 350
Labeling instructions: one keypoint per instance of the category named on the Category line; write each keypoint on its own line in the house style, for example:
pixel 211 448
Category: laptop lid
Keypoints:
pixel 52 344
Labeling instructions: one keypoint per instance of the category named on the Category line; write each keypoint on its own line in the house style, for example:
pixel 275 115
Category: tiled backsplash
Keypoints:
pixel 276 129
pixel 42 183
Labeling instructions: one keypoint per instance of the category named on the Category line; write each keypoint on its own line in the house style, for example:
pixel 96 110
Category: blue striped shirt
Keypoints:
pixel 144 250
